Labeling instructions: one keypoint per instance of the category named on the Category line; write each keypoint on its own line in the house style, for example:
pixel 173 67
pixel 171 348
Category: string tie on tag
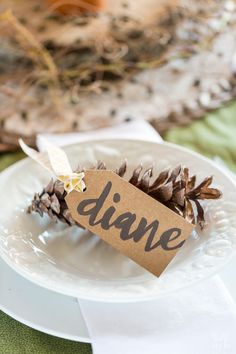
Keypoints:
pixel 73 181
pixel 55 160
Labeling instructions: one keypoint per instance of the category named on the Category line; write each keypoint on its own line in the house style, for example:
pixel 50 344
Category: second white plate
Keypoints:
pixel 39 308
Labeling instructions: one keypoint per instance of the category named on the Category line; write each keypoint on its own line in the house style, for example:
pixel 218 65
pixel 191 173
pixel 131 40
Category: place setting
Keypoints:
pixel 110 223
pixel 117 177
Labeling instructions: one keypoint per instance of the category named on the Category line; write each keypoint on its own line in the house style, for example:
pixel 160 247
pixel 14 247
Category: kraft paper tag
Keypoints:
pixel 129 220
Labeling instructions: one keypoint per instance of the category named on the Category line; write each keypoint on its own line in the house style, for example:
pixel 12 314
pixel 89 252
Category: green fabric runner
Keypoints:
pixel 215 135
pixel 16 338
pixel 8 159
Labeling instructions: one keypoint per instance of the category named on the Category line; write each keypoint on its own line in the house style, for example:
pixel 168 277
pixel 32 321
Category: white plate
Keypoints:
pixel 73 262
pixel 53 313
pixel 39 308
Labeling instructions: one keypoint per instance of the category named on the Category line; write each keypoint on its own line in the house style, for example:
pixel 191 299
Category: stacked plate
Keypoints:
pixel 46 267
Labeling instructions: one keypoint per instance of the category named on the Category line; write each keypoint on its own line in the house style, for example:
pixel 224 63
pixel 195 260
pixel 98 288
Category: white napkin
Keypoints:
pixel 131 130
pixel 201 319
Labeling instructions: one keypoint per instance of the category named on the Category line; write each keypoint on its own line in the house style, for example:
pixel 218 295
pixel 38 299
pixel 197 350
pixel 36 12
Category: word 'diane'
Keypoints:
pixel 129 220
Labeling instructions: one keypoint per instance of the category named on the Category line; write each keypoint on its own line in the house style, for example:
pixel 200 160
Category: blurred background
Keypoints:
pixel 77 65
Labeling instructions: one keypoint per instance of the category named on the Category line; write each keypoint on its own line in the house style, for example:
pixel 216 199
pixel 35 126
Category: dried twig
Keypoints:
pixel 35 50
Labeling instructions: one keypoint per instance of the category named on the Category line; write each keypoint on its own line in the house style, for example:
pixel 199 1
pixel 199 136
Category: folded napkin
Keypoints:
pixel 131 130
pixel 201 319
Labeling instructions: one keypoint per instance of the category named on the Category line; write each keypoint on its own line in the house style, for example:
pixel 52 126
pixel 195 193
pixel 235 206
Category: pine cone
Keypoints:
pixel 173 188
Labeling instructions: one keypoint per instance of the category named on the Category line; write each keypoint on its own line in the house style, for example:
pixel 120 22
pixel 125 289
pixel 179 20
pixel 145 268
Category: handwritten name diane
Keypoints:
pixel 126 221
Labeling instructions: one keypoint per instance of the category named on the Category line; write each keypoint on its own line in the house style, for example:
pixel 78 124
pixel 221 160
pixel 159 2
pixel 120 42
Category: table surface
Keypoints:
pixel 212 136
